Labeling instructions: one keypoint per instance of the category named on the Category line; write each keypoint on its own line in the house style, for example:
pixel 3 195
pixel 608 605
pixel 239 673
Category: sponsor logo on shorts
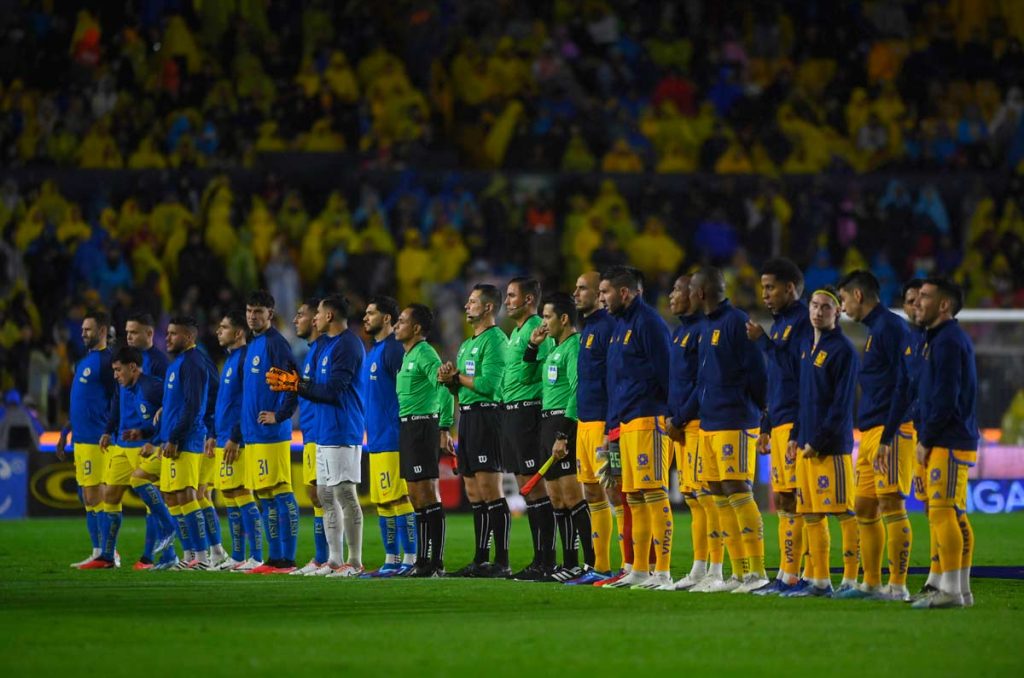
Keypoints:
pixel 482 458
pixel 417 469
pixel 530 463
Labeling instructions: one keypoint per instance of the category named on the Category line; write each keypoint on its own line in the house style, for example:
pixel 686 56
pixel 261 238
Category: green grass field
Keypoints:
pixel 56 621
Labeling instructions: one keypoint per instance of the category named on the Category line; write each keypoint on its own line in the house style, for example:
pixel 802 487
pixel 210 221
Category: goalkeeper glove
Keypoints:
pixel 610 471
pixel 281 380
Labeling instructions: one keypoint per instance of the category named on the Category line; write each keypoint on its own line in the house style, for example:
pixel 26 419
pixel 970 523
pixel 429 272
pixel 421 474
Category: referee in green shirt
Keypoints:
pixel 425 415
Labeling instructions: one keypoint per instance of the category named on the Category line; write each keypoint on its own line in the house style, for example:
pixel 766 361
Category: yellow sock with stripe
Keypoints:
pixel 698 529
pixel 190 507
pixel 951 545
pixel 899 539
pixel 205 501
pixel 229 502
pixel 175 510
pixel 318 511
pixel 659 512
pixel 107 507
pixel 385 511
pixel 641 533
pixel 137 482
pixel 819 543
pixel 716 547
pixel 872 536
pixel 808 559
pixel 934 573
pixel 751 530
pixel 731 535
pixel 851 546
pixel 967 555
pixel 404 508
pixel 601 523
pixel 619 517
pixel 791 538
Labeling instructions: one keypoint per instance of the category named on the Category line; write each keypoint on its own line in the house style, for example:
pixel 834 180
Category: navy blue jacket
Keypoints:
pixel 184 402
pixel 154 362
pixel 228 408
pixel 592 366
pixel 828 389
pixel 638 365
pixel 265 351
pixel 136 406
pixel 948 389
pixel 380 397
pixel 885 374
pixel 337 389
pixel 781 349
pixel 683 363
pixel 732 380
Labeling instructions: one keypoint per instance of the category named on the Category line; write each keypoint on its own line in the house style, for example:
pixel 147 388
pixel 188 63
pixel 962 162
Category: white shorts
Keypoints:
pixel 338 464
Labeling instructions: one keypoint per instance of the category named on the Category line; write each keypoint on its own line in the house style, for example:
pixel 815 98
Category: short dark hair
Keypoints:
pixel 912 284
pixel 128 355
pixel 188 321
pixel 623 276
pixel 562 304
pixel 712 280
pixel 310 302
pixel 141 317
pixel 950 290
pixel 862 280
pixel 421 315
pixel 101 317
pixel 785 271
pixel 386 305
pixel 237 319
pixel 528 287
pixel 260 298
pixel 338 304
pixel 489 294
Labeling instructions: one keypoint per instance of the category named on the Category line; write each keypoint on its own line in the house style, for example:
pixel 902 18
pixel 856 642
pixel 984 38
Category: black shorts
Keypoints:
pixel 479 441
pixel 551 423
pixel 520 438
pixel 419 448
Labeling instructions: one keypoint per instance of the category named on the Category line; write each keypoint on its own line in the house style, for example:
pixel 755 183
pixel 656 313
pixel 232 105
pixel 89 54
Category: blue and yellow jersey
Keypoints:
pixel 307 408
pixel 828 388
pixel 781 349
pixel 228 410
pixel 683 364
pixel 337 389
pixel 380 397
pixel 92 395
pixel 265 351
pixel 136 406
pixel 184 401
pixel 592 366
pixel 885 373
pixel 638 365
pixel 947 394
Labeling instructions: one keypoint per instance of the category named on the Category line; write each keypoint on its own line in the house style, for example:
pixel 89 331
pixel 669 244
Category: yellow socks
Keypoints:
pixel 107 507
pixel 191 507
pixel 851 548
pixel 872 534
pixel 318 511
pixel 791 545
pixel 716 548
pixel 659 513
pixel 751 530
pixel 619 517
pixel 698 529
pixel 731 536
pixel 175 510
pixel 951 545
pixel 385 511
pixel 404 508
pixel 819 542
pixel 967 555
pixel 601 523
pixel 808 559
pixel 899 539
pixel 641 532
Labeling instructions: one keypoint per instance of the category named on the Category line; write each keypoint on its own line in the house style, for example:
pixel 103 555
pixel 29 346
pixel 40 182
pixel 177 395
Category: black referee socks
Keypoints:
pixel 501 525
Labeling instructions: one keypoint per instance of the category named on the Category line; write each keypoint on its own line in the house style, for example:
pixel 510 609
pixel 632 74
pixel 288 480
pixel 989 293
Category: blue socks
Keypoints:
pixel 270 522
pixel 150 496
pixel 389 535
pixel 212 525
pixel 113 521
pixel 407 532
pixel 319 540
pixel 93 525
pixel 197 530
pixel 237 534
pixel 152 531
pixel 253 529
pixel 288 521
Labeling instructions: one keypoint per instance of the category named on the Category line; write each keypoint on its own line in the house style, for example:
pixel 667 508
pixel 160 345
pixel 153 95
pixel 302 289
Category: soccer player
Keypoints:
pixel 947 437
pixel 426 414
pixel 130 423
pixel 91 393
pixel 885 463
pixel 592 408
pixel 705 531
pixel 728 401
pixel 823 433
pixel 305 328
pixel 782 285
pixel 267 433
pixel 183 434
pixel 138 333
pixel 388 490
pixel 476 379
pixel 521 451
pixel 638 364
pixel 336 388
pixel 558 433
pixel 208 467
pixel 244 518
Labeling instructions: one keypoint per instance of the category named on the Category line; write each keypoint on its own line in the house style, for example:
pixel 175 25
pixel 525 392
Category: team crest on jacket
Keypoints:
pixel 87 371
pixel 373 368
pixel 590 339
pixel 324 361
pixel 170 377
pixel 255 361
pixel 867 346
pixel 625 339
pixel 229 372
pixel 785 332
pixel 819 359
pixel 714 337
pixel 686 340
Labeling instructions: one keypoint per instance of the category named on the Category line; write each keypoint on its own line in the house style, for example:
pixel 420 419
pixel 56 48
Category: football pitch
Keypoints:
pixel 57 621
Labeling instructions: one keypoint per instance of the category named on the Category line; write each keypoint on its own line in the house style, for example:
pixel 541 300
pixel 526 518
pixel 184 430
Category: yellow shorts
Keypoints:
pixel 646 454
pixel 946 484
pixel 876 476
pixel 823 484
pixel 309 464
pixel 687 456
pixel 229 476
pixel 90 464
pixel 920 480
pixel 386 482
pixel 118 467
pixel 783 465
pixel 589 437
pixel 728 455
pixel 268 464
pixel 208 470
pixel 178 474
pixel 150 465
